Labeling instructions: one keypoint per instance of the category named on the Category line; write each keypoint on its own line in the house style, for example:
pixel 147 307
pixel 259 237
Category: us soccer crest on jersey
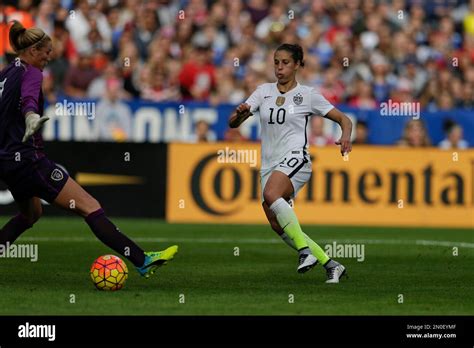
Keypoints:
pixel 298 98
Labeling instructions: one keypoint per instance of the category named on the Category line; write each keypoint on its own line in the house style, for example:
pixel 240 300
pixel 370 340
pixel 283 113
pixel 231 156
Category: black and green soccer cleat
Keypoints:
pixel 155 259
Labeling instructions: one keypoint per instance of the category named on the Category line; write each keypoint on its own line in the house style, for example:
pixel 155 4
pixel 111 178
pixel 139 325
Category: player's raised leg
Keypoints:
pixel 277 187
pixel 276 226
pixel 74 197
pixel 317 251
pixel 334 270
pixel 30 212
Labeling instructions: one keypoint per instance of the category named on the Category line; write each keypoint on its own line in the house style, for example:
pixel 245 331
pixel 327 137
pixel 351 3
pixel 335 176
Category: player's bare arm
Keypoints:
pixel 346 126
pixel 241 113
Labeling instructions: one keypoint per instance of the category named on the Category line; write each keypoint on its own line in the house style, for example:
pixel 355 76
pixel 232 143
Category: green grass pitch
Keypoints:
pixel 261 280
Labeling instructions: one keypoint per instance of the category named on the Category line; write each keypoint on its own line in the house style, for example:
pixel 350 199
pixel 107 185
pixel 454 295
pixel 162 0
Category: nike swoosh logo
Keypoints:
pixel 268 96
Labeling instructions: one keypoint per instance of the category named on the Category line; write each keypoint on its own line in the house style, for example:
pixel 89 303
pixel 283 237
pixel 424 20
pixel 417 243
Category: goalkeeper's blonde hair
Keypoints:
pixel 22 38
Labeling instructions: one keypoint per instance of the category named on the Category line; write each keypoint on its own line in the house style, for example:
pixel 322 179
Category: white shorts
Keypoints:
pixel 298 169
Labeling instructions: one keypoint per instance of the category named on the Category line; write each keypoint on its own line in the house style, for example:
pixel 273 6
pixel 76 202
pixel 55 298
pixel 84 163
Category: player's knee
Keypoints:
pixel 94 206
pixel 33 215
pixel 37 213
pixel 89 207
pixel 270 196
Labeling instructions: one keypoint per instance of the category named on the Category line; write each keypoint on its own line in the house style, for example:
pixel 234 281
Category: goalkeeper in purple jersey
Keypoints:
pixel 24 167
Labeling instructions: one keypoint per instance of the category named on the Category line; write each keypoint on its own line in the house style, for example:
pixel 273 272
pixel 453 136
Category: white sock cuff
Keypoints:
pixel 276 206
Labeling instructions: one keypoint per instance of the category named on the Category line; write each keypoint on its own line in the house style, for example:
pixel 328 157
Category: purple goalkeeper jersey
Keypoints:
pixel 20 92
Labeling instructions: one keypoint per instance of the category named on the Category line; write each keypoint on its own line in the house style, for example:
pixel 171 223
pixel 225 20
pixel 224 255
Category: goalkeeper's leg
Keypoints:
pixel 30 212
pixel 105 230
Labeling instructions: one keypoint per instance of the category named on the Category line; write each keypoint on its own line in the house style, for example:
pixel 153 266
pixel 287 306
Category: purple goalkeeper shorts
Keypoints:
pixel 42 178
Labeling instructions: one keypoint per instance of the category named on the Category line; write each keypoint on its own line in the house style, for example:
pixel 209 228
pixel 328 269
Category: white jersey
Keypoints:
pixel 284 119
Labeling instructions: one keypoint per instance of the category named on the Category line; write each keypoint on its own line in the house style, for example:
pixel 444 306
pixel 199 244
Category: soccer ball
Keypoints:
pixel 109 272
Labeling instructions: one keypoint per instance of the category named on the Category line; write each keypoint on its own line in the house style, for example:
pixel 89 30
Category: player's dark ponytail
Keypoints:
pixel 21 38
pixel 295 50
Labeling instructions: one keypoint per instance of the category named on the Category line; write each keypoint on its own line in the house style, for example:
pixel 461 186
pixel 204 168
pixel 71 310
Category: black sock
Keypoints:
pixel 111 236
pixel 13 229
pixel 330 264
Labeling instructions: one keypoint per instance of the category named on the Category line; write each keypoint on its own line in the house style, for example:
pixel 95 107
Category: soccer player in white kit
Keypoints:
pixel 284 109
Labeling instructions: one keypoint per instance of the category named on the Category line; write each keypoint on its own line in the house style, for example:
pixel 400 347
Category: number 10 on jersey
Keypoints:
pixel 280 116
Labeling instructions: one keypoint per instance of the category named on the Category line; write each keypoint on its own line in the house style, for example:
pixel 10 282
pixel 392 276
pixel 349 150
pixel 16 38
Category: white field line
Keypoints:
pixel 441 243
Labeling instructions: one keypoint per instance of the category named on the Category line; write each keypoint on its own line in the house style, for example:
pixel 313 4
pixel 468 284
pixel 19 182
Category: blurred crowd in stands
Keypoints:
pixel 357 52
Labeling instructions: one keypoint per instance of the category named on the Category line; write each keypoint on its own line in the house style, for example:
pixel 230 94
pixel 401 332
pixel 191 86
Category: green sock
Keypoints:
pixel 288 221
pixel 317 251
